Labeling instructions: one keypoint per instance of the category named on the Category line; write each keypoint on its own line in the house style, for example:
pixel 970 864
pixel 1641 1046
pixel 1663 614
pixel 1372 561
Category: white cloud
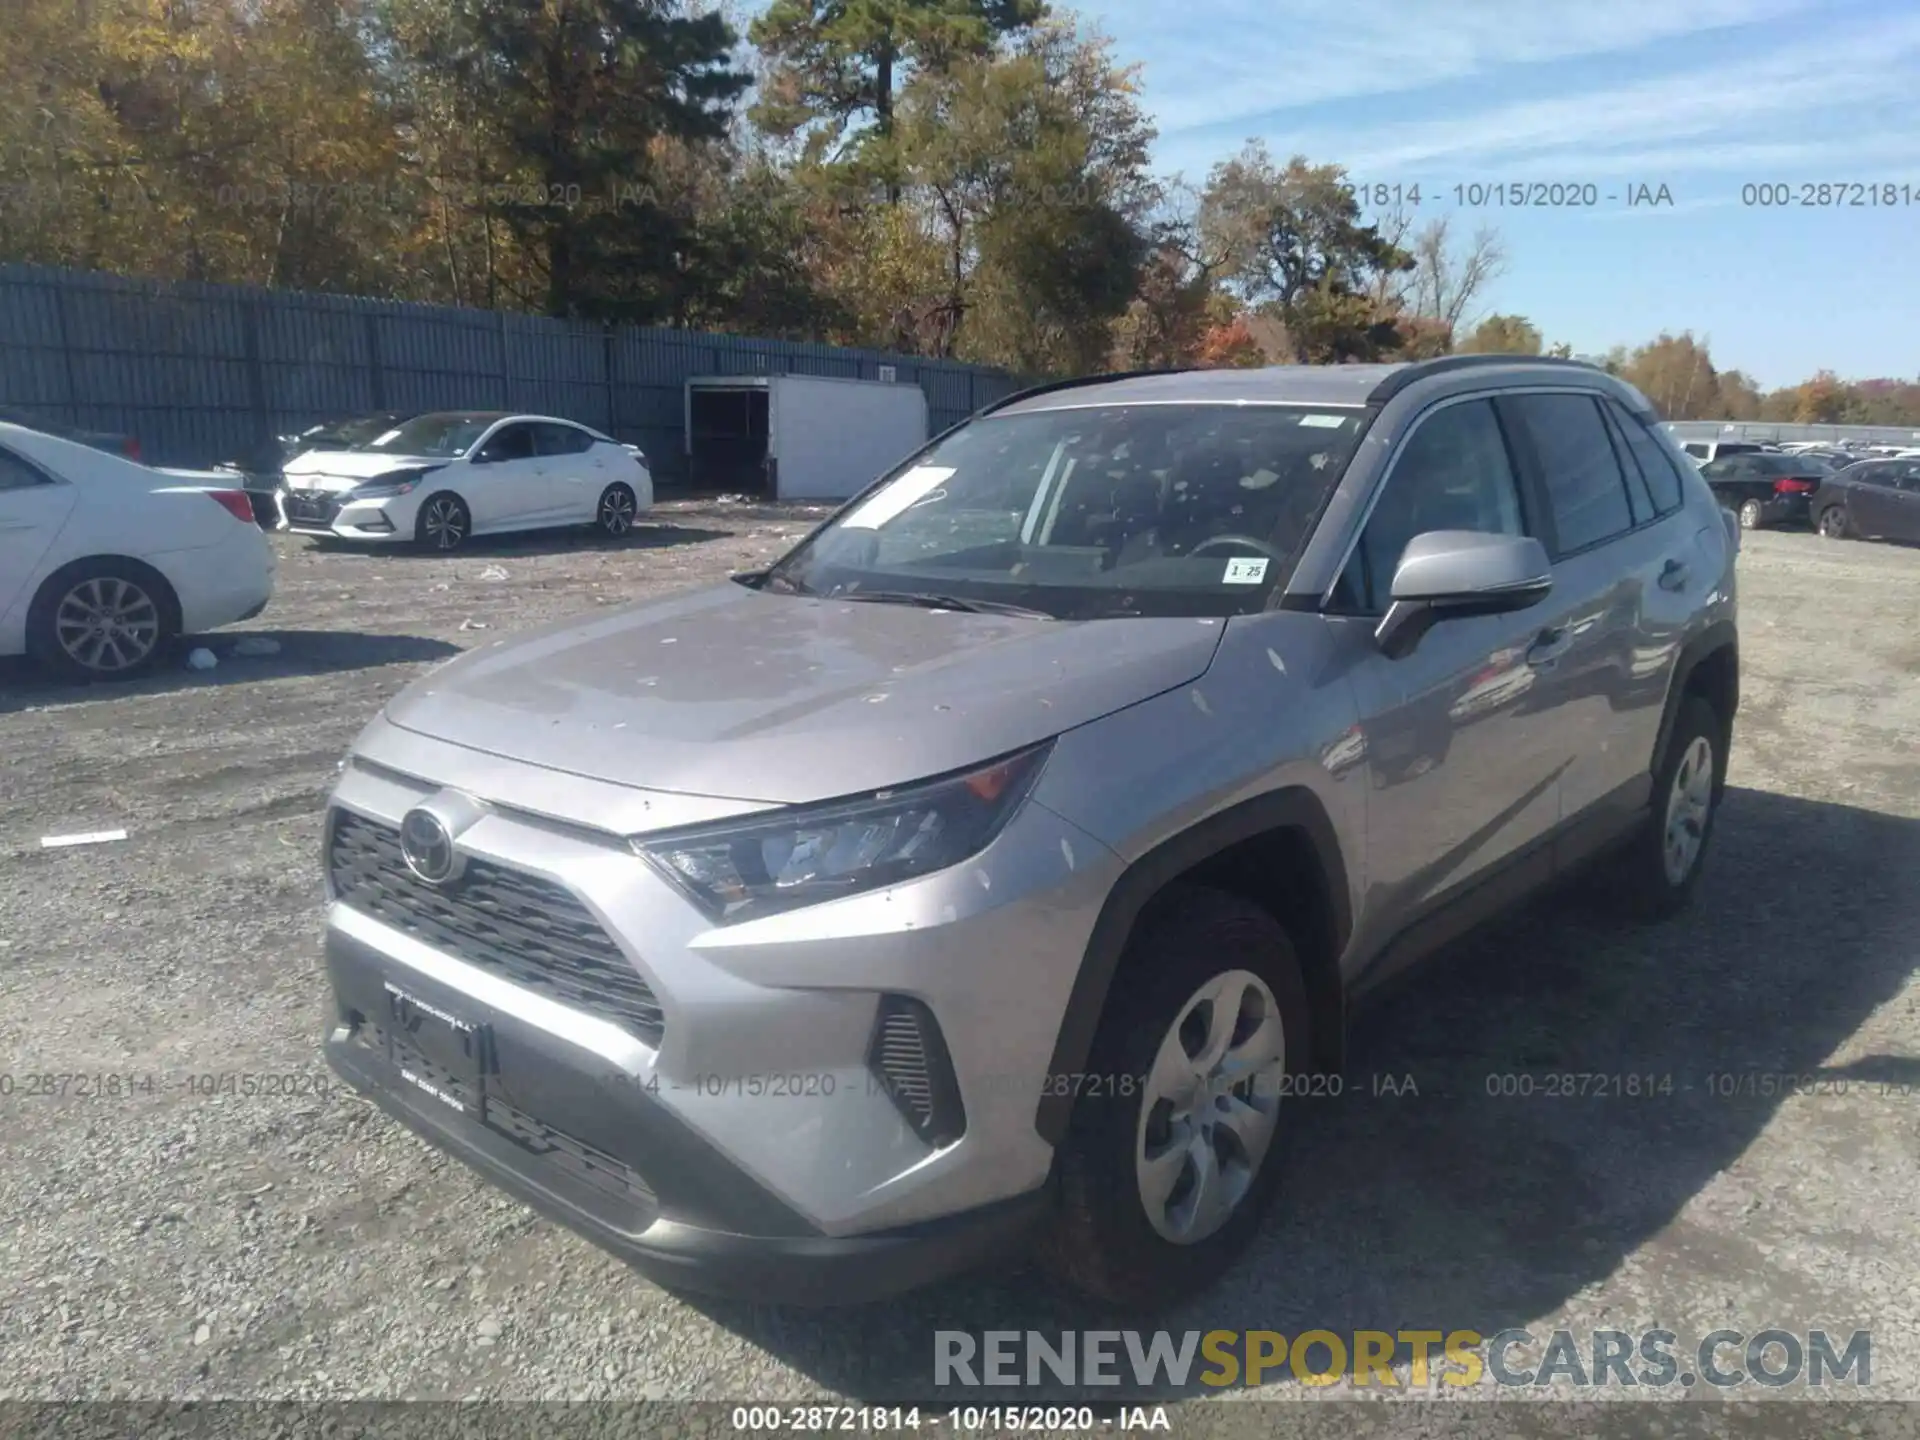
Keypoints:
pixel 1798 108
pixel 1237 59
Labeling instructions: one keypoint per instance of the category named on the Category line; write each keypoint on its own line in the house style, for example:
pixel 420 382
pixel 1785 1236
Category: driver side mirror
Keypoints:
pixel 1454 574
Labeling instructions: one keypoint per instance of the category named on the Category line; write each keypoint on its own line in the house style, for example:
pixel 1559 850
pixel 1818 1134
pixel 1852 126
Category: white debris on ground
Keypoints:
pixel 202 659
pixel 92 837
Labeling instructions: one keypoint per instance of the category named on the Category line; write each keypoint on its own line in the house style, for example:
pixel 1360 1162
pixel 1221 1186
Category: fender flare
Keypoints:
pixel 1294 808
pixel 1720 635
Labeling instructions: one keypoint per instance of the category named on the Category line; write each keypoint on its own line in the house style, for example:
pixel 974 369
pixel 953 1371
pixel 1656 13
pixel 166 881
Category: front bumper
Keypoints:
pixel 730 1074
pixel 695 1222
pixel 322 513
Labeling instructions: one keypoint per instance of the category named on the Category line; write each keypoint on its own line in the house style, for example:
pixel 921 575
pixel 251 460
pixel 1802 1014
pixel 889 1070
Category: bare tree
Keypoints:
pixel 1443 285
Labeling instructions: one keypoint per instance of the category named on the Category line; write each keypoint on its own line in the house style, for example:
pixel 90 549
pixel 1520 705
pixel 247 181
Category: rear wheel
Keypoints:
pixel 1175 1146
pixel 444 523
pixel 101 620
pixel 1749 514
pixel 1656 873
pixel 1833 523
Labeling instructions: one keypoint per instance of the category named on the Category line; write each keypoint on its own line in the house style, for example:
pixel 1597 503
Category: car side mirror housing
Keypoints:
pixel 1454 574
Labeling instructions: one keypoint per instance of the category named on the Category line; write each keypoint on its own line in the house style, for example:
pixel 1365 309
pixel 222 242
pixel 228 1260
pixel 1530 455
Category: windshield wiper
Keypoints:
pixel 943 602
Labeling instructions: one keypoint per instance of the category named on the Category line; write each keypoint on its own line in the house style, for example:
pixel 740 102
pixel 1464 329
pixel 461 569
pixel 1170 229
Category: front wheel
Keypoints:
pixel 444 523
pixel 1750 515
pixel 1174 1148
pixel 1833 523
pixel 617 511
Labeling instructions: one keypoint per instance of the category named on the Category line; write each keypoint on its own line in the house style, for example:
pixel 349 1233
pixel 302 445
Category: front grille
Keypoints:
pixel 908 1056
pixel 310 507
pixel 525 929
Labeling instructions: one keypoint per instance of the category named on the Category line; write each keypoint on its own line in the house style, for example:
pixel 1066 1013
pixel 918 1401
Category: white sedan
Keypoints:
pixel 438 479
pixel 103 561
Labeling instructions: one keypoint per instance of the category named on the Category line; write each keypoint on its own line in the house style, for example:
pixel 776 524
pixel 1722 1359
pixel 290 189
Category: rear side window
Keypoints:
pixel 1586 490
pixel 16 474
pixel 1658 467
pixel 1639 497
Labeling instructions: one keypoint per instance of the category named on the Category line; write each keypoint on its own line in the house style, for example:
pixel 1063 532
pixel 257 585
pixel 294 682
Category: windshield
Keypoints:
pixel 1086 513
pixel 349 434
pixel 440 436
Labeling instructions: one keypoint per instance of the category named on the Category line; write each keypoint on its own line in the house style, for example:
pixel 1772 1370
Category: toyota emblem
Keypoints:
pixel 427 847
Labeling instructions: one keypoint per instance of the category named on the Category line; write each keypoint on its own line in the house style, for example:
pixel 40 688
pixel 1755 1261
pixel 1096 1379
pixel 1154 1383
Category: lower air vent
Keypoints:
pixel 909 1059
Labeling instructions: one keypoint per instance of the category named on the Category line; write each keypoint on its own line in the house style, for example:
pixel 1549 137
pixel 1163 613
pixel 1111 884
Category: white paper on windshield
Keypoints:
pixel 1324 422
pixel 909 489
pixel 1244 572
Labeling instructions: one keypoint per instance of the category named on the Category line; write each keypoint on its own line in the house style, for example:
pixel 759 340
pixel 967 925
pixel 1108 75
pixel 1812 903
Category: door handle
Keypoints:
pixel 1673 575
pixel 1549 646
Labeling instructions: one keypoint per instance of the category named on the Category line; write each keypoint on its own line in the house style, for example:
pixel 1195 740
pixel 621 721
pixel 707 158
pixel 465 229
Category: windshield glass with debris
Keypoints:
pixel 1081 513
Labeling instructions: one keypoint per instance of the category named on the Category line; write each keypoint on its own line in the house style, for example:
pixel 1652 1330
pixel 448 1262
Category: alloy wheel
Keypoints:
pixel 444 525
pixel 1210 1107
pixel 1750 515
pixel 617 511
pixel 1688 803
pixel 1833 522
pixel 107 624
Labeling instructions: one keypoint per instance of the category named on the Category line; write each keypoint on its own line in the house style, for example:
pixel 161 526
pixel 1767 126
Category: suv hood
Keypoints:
pixel 786 699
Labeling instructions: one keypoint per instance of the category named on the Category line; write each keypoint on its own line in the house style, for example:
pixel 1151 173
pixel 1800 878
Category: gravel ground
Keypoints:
pixel 185 1241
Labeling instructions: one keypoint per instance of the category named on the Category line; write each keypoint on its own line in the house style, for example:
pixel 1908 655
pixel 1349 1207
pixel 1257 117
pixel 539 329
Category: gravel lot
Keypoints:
pixel 176 1244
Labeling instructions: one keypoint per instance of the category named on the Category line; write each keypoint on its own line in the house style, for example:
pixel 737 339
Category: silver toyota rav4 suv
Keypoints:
pixel 996 872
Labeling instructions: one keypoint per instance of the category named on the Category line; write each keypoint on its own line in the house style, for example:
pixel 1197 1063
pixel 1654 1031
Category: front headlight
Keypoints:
pixel 807 855
pixel 387 487
pixel 385 490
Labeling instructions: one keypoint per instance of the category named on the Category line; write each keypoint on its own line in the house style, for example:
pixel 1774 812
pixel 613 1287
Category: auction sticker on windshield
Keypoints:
pixel 1244 572
pixel 1324 422
pixel 909 490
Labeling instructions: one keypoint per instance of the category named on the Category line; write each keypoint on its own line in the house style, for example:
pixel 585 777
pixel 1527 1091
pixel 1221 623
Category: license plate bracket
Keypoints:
pixel 439 1053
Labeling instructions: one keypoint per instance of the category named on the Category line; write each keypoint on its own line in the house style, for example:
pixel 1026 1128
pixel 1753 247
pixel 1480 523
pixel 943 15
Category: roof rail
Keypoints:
pixel 1100 379
pixel 1420 369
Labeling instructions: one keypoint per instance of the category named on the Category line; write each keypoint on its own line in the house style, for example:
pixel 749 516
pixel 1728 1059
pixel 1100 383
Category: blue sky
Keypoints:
pixel 1702 96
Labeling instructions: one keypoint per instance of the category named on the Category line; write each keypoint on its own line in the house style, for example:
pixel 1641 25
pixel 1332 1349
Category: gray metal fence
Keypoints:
pixel 198 372
pixel 1775 432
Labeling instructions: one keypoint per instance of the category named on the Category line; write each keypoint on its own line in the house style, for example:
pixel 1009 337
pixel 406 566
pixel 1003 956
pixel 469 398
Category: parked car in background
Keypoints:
pixel 125 446
pixel 437 480
pixel 262 467
pixel 1766 489
pixel 1873 500
pixel 1213 699
pixel 103 561
pixel 1702 451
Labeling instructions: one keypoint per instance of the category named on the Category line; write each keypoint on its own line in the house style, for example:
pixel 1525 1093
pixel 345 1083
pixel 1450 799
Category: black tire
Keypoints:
pixel 1749 513
pixel 619 507
pixel 1834 523
pixel 1102 1241
pixel 444 523
pixel 102 620
pixel 1639 884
